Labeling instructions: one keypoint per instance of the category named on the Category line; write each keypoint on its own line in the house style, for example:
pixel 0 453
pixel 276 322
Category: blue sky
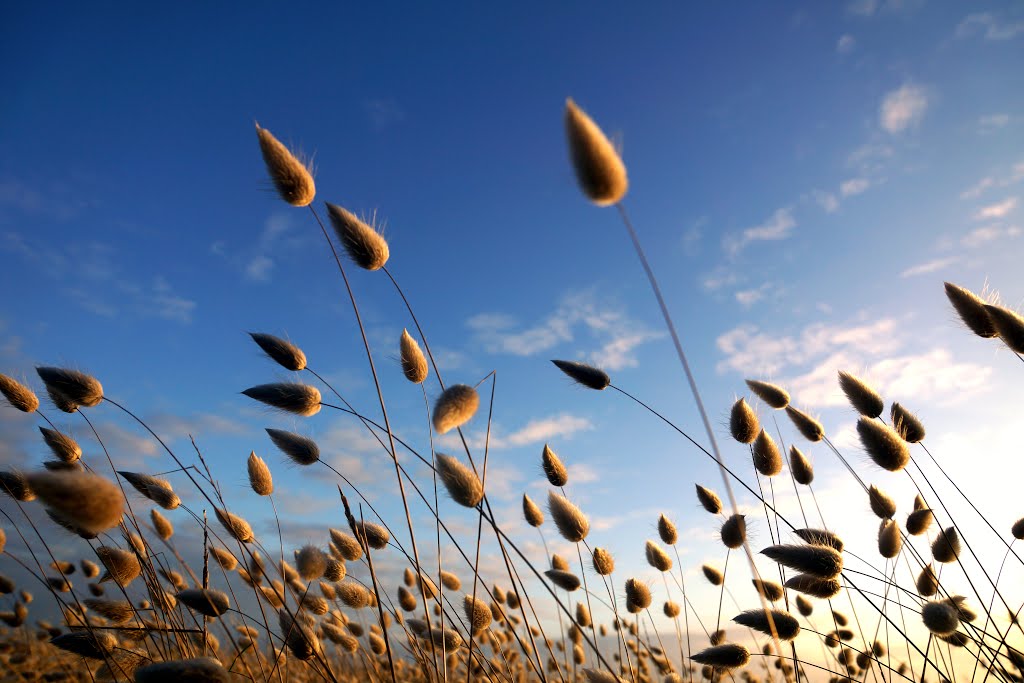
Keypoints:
pixel 804 177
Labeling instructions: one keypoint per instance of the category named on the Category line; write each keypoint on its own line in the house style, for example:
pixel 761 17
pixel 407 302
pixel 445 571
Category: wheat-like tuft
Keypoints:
pixel 864 399
pixel 800 467
pixel 18 395
pixel 414 363
pixel 532 512
pixel 821 561
pixel 362 242
pixel 1009 325
pixel 638 594
pixel 919 521
pixel 454 407
pixel 604 563
pixel 657 557
pixel 972 310
pixel 477 613
pixel 599 169
pixel 300 636
pixel 772 591
pixel 311 562
pixel 554 468
pixel 291 178
pixel 820 537
pixel 450 581
pixel 883 444
pixel 291 397
pixel 163 526
pixel 281 351
pixel 259 475
pixel 565 580
pixel 881 503
pixel 599 676
pixel 743 422
pixel 92 644
pixel 223 558
pixel 569 519
pixel 667 530
pixel 729 656
pixel 157 490
pixel 588 376
pixel 300 450
pixel 940 617
pixel 782 623
pixel 117 611
pixel 335 570
pixel 927 582
pixel 211 603
pixel 375 535
pixel 814 585
pixel 62 445
pixel 767 459
pixel 946 546
pixel 772 394
pixel 89 501
pixel 349 548
pixel 810 428
pixel 889 539
pixel 804 606
pixel 672 609
pixel 906 424
pixel 463 485
pixel 709 500
pixel 239 529
pixel 122 566
pixel 713 575
pixel 734 531
pixel 73 386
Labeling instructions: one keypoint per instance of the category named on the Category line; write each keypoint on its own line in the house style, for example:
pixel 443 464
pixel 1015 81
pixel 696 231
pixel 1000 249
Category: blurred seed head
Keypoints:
pixel 864 399
pixel 599 169
pixel 772 394
pixel 456 405
pixel 585 375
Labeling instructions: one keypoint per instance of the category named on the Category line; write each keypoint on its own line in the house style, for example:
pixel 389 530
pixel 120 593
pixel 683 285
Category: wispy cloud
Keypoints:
pixel 854 186
pixel 929 266
pixel 988 26
pixel 997 210
pixel 989 233
pixel 992 122
pixel 845 44
pixel 718 278
pixel 535 431
pixel 616 335
pixel 1014 175
pixel 749 297
pixel 778 226
pixel 903 108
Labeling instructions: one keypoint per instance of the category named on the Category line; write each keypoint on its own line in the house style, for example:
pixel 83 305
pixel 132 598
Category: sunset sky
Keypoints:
pixel 804 177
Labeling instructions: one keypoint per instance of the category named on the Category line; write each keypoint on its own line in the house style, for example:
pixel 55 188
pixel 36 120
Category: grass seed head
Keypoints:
pixel 565 580
pixel 586 375
pixel 883 444
pixel 810 428
pixel 782 623
pixel 211 603
pixel 239 529
pixel 75 386
pixel 862 397
pixel 91 644
pixel 671 609
pixel 713 575
pixel 259 475
pixel 667 530
pixel 734 531
pixel 709 500
pixel 122 566
pixel 532 512
pixel 554 468
pixel 821 561
pixel 881 503
pixel 163 526
pixel 15 484
pixel 1018 529
pixel 772 394
pixel 478 613
pixel 767 459
pixel 300 450
pixel 919 521
pixel 772 591
pixel 820 537
pixel 291 178
pixel 604 563
pixel 157 490
pixel 225 559
pixel 599 169
pixel 311 562
pixel 804 606
pixel 889 539
pixel 349 547
pixel 940 617
pixel 414 363
pixel 1009 325
pixel 800 466
pixel 463 485
pixel 927 582
pixel 906 424
pixel 89 501
pixel 281 351
pixel 814 586
pixel 454 407
pixel 290 397
pixel 364 245
pixel 18 395
pixel 972 310
pixel 728 656
pixel 946 546
pixel 569 519
pixel 637 593
pixel 743 422
pixel 657 557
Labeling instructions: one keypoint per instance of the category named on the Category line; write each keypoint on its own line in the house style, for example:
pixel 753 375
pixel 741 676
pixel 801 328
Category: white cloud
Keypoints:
pixel 845 44
pixel 1015 175
pixel 826 200
pixel 929 266
pixel 749 297
pixel 616 334
pixel 854 186
pixel 719 278
pixel 989 233
pixel 536 431
pixel 997 210
pixel 259 268
pixel 902 108
pixel 778 227
pixel 986 25
pixel 974 191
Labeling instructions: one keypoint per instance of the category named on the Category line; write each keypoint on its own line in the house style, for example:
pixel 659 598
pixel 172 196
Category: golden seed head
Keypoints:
pixel 599 169
pixel 940 617
pixel 311 562
pixel 972 310
pixel 414 363
pixel 532 512
pixel 728 656
pixel 889 540
pixel 454 407
pixel 881 503
pixel 567 581
pixel 864 399
pixel 292 179
pixel 772 622
pixel 239 529
pixel 767 458
pixel 281 351
pixel 463 485
pixel 772 394
pixel 713 575
pixel 709 500
pixel 259 475
pixel 291 397
pixel 300 449
pixel 478 613
pixel 90 502
pixel 667 530
pixel 927 582
pixel 18 395
pixel 883 444
pixel 554 468
pixel 208 602
pixel 569 519
pixel 946 546
pixel 349 547
pixel 734 531
pixel 604 563
pixel 800 466
pixel 364 245
pixel 638 594
pixel 743 422
pixel 585 375
pixel 122 566
pixel 810 428
pixel 76 386
pixel 163 526
pixel 906 424
pixel 657 557
pixel 1009 325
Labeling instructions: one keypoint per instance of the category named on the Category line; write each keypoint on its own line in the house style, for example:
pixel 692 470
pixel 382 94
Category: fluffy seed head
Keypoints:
pixel 91 644
pixel 861 396
pixel 820 561
pixel 889 540
pixel 89 501
pixel 62 445
pixel 569 519
pixel 76 386
pixel 462 483
pixel 259 475
pixel 532 512
pixel 820 537
pixel 728 656
pixel 478 613
pixel 667 530
pixel 810 428
pixel 567 581
pixel 554 468
pixel 291 177
pixel 804 606
pixel 1018 529
pixel 813 585
pixel 211 603
pixel 281 351
pixel 599 169
pixel 335 570
pixel 883 444
pixel 771 590
pixel 743 422
pixel 767 459
pixel 637 593
pixel 122 566
pixel 291 397
pixel 946 547
pixel 364 245
pixel 772 394
pixel 927 582
pixel 671 609
pixel 800 466
pixel 239 529
pixel 604 563
pixel 60 401
pixel 300 637
pixel 18 395
pixel 709 500
pixel 117 611
pixel 713 575
pixel 588 376
pixel 734 531
pixel 353 594
pixel 940 617
pixel 414 363
pixel 375 535
pixel 450 581
pixel 906 424
pixel 311 562
pixel 454 407
pixel 657 557
pixel 919 521
pixel 1009 325
pixel 157 490
pixel 881 503
pixel 300 449
pixel 785 624
pixel 163 526
pixel 972 310
pixel 223 558
pixel 349 547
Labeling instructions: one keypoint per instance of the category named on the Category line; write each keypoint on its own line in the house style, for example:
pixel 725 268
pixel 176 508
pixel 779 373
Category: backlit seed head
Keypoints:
pixel 163 526
pixel 671 609
pixel 532 512
pixel 774 395
pixel 864 399
pixel 972 310
pixel 728 656
pixel 657 557
pixel 300 449
pixel 604 563
pixel 414 363
pixel 709 500
pixel 927 582
pixel 569 519
pixel 883 444
pixel 567 581
pixel 804 606
pixel 75 386
pixel 767 459
pixel 919 521
pixel 456 405
pixel 734 531
pixel 821 561
pixel 889 540
pixel 781 623
pixel 800 466
pixel 810 428
pixel 743 423
pixel 713 575
pixel 311 562
pixel 18 395
pixel 599 169
pixel 637 593
pixel 62 445
pixel 259 475
pixel 946 546
pixel 554 468
pixel 820 537
pixel 122 566
pixel 586 375
pixel 1009 325
pixel 349 547
pixel 940 617
pixel 667 530
pixel 291 178
pixel 239 529
pixel 362 242
pixel 1018 529
pixel 281 351
pixel 881 503
pixel 376 536
pixel 906 424
pixel 291 397
pixel 89 501
pixel 211 603
pixel 478 613
pixel 814 586
pixel 772 591
pixel 462 484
